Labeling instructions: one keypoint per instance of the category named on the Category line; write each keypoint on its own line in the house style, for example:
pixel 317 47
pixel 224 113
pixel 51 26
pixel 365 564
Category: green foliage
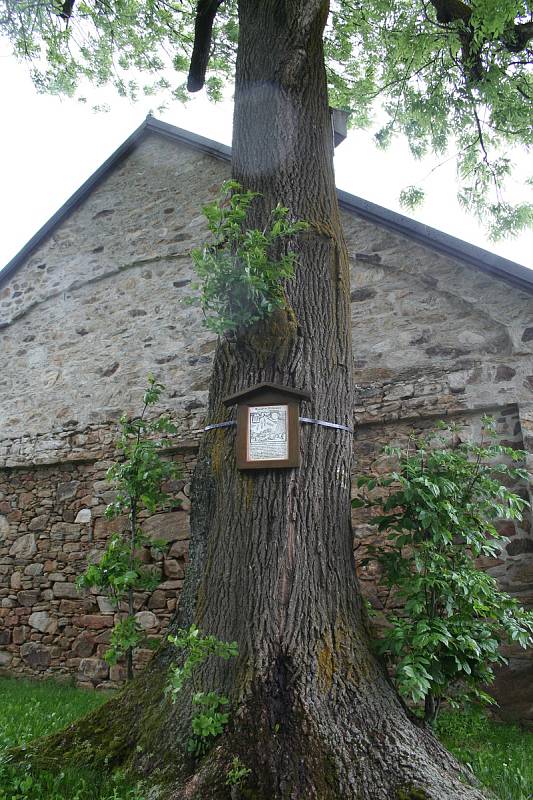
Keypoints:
pixel 125 636
pixel 32 709
pixel 141 473
pixel 120 569
pixel 24 783
pixel 500 755
pixel 211 718
pixel 438 507
pixel 449 76
pixel 237 773
pixel 29 709
pixel 138 478
pixel 197 649
pixel 208 722
pixel 459 85
pixel 242 279
pixel 411 197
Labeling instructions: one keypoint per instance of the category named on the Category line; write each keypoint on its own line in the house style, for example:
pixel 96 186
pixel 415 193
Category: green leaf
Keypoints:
pixel 454 616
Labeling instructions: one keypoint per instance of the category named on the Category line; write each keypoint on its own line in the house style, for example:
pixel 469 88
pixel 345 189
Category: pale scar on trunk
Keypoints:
pixel 287 567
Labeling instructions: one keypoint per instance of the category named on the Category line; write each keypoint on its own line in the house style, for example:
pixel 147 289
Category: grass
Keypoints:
pixel 500 755
pixel 29 709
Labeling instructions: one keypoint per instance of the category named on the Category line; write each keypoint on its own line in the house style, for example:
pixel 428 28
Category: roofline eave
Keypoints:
pixel 488 262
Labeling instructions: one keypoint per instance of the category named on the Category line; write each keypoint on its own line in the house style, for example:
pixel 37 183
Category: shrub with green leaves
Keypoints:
pixel 237 773
pixel 437 508
pixel 243 270
pixel 212 716
pixel 139 479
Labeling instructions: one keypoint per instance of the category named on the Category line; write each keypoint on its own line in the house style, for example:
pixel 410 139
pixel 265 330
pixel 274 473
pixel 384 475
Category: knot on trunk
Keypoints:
pixel 270 341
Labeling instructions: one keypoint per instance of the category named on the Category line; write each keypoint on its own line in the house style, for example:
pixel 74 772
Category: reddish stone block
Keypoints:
pixel 179 549
pixel 83 646
pixel 157 600
pixel 68 607
pixel 25 499
pixel 5 636
pixel 35 655
pixel 94 621
pixel 19 634
pixel 28 598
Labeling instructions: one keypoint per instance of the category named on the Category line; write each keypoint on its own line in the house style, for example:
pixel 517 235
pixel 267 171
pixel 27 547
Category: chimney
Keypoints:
pixel 339 123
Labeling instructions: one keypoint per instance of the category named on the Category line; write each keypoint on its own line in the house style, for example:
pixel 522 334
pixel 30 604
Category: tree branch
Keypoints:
pixel 515 38
pixel 451 11
pixel 518 36
pixel 66 9
pixel 206 11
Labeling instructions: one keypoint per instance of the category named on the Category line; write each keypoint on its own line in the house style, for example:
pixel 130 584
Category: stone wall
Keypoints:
pixel 52 525
pixel 97 306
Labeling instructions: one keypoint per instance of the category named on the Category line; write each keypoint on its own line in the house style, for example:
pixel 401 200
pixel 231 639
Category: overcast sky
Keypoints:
pixel 49 146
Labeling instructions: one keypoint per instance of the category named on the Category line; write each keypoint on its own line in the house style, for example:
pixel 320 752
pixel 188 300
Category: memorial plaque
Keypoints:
pixel 268 433
pixel 268 428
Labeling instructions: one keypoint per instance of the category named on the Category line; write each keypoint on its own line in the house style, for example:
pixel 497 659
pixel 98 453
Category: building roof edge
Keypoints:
pixel 438 240
pixel 484 260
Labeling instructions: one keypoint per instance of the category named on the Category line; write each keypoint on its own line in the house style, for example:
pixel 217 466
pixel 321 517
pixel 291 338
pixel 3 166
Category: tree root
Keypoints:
pixel 309 754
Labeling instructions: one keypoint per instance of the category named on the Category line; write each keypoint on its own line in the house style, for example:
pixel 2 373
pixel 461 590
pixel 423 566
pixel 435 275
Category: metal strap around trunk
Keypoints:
pixel 326 424
pixel 220 425
pixel 307 420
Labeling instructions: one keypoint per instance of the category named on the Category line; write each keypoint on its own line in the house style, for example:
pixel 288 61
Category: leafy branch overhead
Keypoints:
pixel 449 74
pixel 243 270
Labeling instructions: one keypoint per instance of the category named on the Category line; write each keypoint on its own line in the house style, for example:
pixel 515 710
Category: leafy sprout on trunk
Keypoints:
pixel 243 270
pixel 437 510
pixel 139 478
pixel 212 715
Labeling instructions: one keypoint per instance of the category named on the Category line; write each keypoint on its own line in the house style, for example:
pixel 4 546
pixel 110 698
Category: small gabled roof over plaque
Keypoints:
pixel 233 399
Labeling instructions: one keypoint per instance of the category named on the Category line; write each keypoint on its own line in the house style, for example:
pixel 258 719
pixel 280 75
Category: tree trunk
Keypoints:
pixel 133 535
pixel 271 563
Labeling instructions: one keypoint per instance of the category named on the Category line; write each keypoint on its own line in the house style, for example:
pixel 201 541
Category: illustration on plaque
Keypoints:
pixel 268 438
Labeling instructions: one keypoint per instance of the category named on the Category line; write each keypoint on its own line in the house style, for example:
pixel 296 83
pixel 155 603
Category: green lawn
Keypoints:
pixel 29 709
pixel 500 755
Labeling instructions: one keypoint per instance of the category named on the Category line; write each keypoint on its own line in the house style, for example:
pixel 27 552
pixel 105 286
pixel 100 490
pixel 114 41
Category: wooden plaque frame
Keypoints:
pixel 293 431
pixel 268 394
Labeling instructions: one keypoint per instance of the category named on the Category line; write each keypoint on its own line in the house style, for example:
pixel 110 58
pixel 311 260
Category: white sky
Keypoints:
pixel 49 146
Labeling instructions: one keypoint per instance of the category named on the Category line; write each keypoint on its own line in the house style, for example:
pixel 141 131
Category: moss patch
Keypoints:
pixel 103 739
pixel 272 339
pixel 217 450
pixel 412 793
pixel 326 665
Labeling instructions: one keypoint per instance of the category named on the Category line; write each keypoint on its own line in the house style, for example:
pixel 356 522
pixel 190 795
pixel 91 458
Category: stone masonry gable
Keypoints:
pixel 95 307
pixel 114 271
pixel 419 316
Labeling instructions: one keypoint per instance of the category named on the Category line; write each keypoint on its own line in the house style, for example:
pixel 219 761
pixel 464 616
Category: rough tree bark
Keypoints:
pixel 314 715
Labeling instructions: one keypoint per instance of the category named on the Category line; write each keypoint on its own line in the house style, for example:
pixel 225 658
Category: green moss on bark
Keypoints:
pixel 412 793
pixel 106 738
